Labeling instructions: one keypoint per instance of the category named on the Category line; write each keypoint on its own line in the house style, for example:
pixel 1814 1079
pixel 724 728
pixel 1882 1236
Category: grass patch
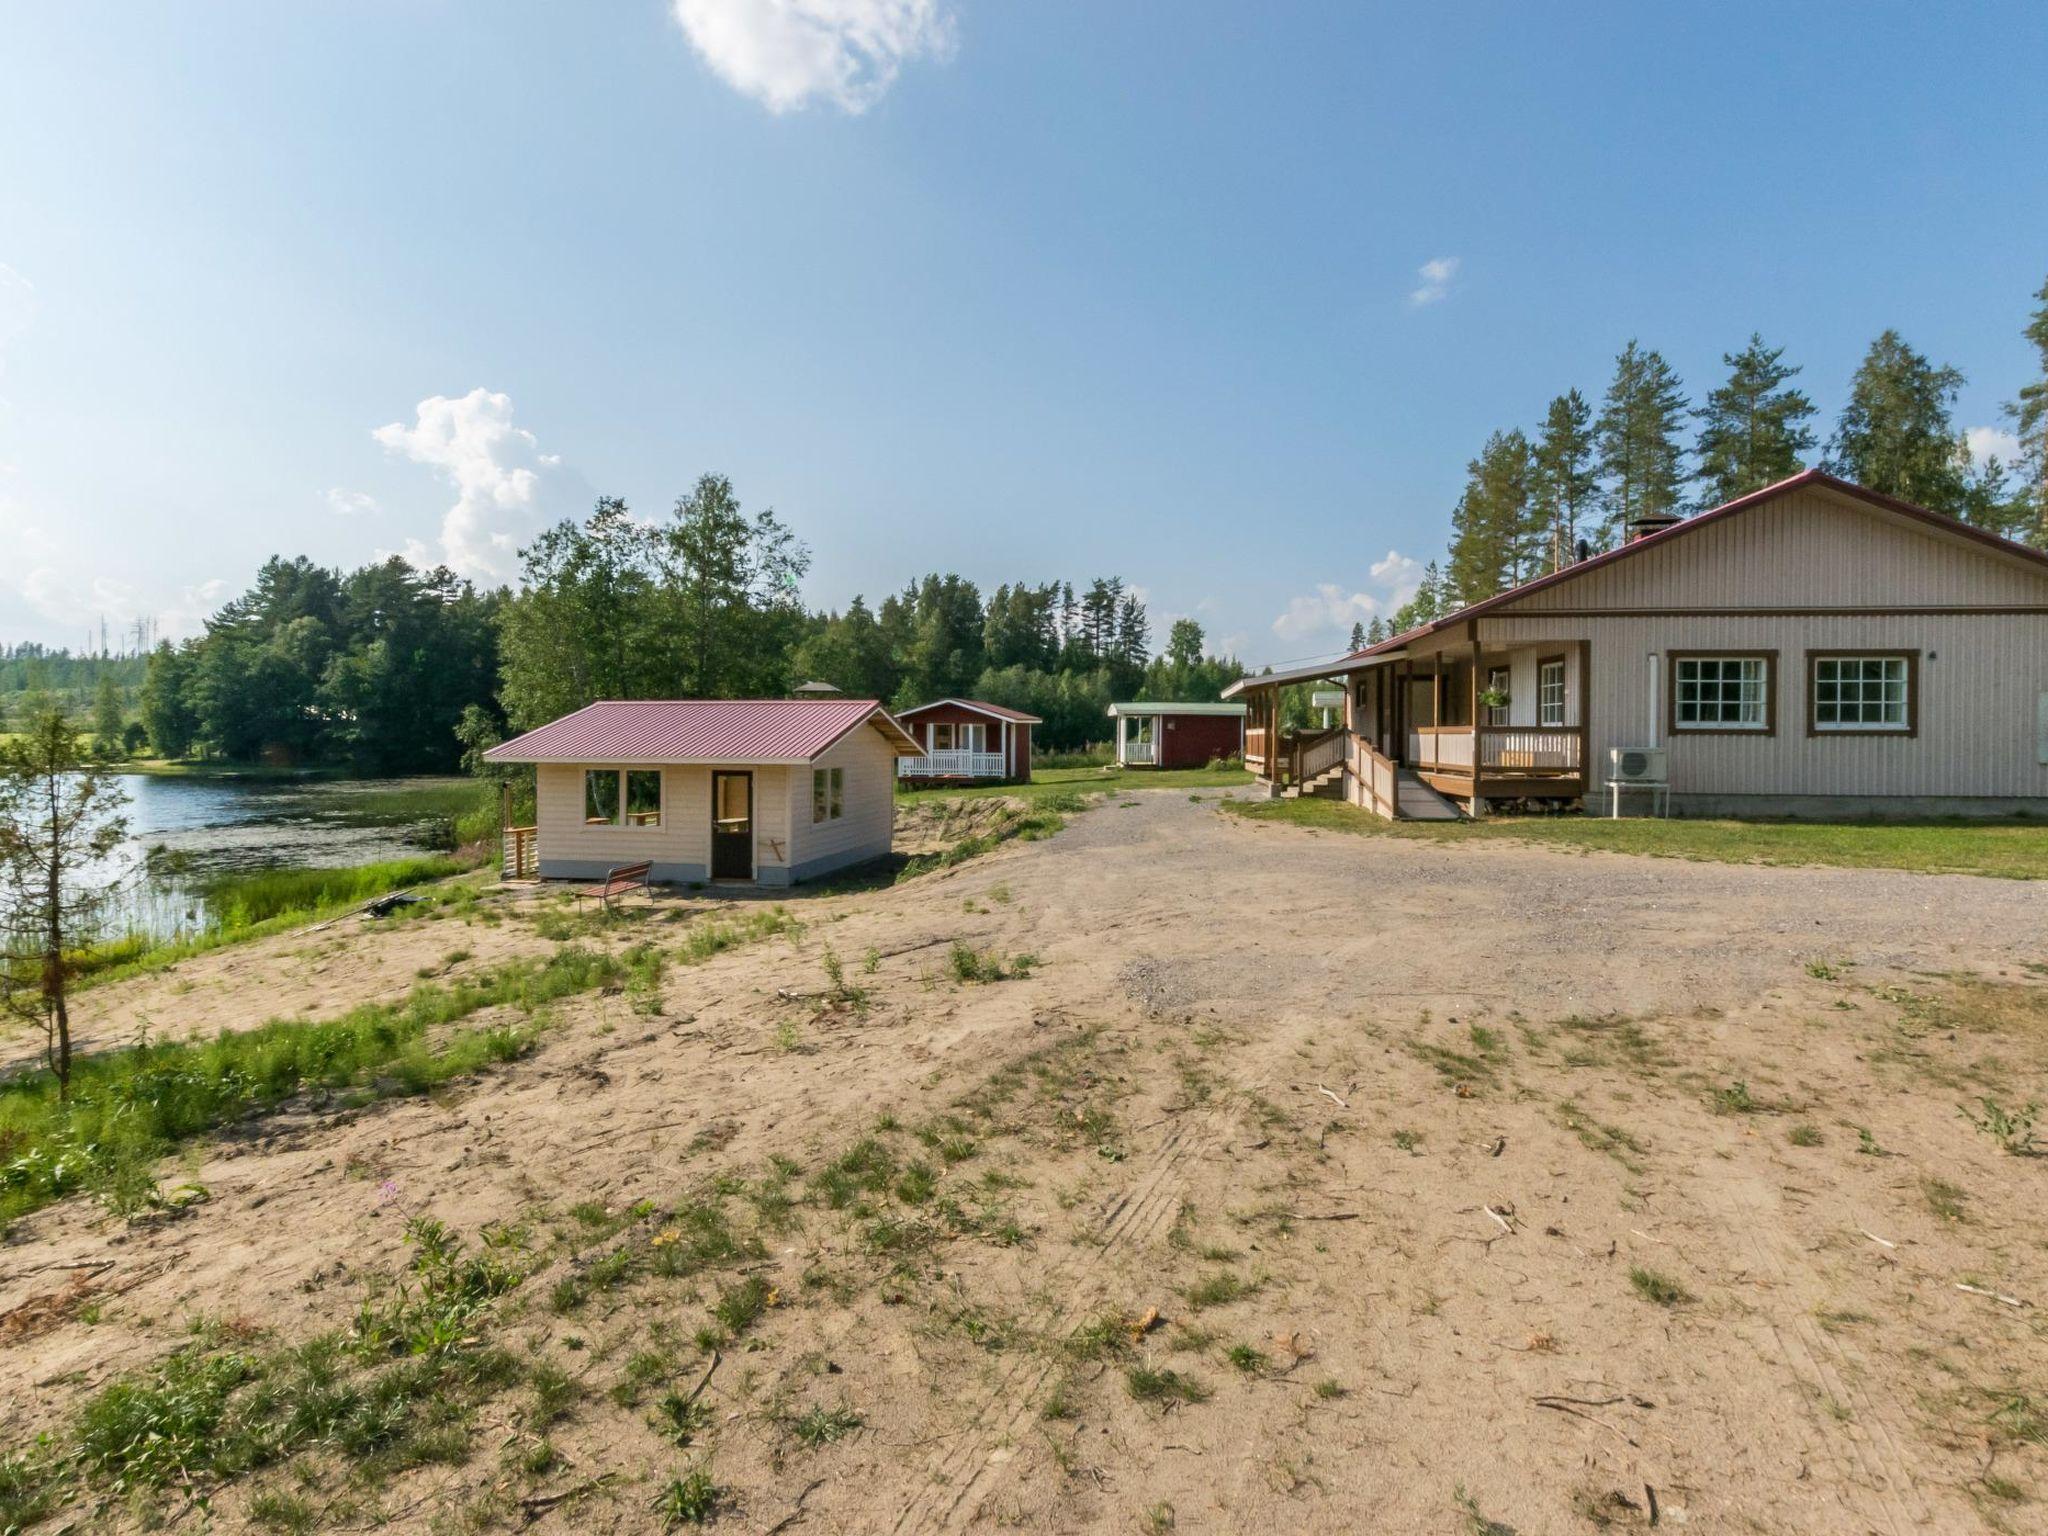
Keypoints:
pixel 1168 1388
pixel 256 904
pixel 1653 1287
pixel 131 1106
pixel 821 1426
pixel 1048 783
pixel 1218 1290
pixel 393 1390
pixel 970 965
pixel 241 901
pixel 692 1499
pixel 2014 849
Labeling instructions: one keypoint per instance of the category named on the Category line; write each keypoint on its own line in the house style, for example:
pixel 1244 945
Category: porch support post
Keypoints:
pixel 1478 800
pixel 1586 716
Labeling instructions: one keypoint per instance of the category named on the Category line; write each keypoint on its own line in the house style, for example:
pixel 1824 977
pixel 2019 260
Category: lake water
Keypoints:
pixel 183 830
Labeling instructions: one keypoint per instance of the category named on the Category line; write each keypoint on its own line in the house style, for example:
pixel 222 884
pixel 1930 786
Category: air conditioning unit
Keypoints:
pixel 1637 765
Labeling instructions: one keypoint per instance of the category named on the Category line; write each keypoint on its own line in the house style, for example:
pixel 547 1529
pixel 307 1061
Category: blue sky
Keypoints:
pixel 1024 290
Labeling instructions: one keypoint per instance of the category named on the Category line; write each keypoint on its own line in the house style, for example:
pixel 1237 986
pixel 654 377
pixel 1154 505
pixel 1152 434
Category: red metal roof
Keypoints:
pixel 996 710
pixel 700 731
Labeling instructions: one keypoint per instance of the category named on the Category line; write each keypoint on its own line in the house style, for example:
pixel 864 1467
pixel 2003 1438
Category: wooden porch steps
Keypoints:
pixel 1416 801
pixel 1326 785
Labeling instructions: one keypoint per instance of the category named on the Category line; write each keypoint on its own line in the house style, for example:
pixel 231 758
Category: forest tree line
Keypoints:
pixel 1533 501
pixel 388 669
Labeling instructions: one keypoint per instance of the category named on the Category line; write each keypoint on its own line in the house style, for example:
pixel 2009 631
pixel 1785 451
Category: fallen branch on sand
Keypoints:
pixel 1978 1290
pixel 1569 1405
pixel 1331 1097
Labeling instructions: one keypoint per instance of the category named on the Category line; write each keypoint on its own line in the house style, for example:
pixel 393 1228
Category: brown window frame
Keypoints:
pixel 1673 726
pixel 1846 653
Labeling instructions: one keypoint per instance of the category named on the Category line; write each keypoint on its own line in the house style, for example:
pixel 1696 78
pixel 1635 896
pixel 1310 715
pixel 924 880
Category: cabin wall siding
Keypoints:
pixel 680 848
pixel 563 839
pixel 868 793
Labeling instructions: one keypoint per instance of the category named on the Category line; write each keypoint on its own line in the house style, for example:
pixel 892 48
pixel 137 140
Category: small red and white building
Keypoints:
pixel 967 739
pixel 1177 735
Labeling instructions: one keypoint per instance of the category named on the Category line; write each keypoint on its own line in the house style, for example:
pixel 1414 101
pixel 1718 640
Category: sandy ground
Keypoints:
pixel 1426 1107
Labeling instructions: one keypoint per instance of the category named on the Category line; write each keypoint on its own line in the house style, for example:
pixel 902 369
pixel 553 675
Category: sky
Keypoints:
pixel 1217 297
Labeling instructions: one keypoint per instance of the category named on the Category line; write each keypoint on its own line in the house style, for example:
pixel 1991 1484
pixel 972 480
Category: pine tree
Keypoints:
pixel 2029 414
pixel 1358 639
pixel 1753 428
pixel 1491 542
pixel 1641 464
pixel 1377 630
pixel 1565 483
pixel 107 716
pixel 1896 435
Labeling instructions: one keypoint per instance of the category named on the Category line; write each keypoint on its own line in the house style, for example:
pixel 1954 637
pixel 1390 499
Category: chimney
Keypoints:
pixel 1651 522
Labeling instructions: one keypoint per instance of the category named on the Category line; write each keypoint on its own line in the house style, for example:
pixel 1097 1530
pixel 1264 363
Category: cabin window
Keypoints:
pixel 1862 692
pixel 828 794
pixel 1550 692
pixel 643 798
pixel 601 797
pixel 1721 693
pixel 1497 682
pixel 619 797
pixel 959 736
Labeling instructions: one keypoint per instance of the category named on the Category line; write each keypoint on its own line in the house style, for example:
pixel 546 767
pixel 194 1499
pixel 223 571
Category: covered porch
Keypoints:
pixel 1432 730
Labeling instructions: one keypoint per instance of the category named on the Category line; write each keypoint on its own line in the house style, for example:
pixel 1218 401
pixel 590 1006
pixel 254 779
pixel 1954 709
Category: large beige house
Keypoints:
pixel 1810 649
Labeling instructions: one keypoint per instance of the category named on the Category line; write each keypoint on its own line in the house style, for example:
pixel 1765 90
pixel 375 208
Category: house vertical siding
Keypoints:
pixel 869 796
pixel 1020 751
pixel 1192 741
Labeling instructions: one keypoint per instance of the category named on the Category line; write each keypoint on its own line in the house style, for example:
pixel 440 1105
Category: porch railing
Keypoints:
pixel 1440 747
pixel 522 854
pixel 1377 778
pixel 973 765
pixel 1318 754
pixel 1526 749
pixel 1142 753
pixel 1505 749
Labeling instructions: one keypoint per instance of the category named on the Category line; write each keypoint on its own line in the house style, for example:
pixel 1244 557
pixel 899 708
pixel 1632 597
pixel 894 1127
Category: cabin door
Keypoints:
pixel 732 826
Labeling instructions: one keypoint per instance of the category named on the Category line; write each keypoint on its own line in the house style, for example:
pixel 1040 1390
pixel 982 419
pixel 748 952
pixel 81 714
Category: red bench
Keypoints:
pixel 618 880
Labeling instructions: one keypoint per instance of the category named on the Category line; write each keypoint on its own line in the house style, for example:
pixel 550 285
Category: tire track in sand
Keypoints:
pixel 957 1476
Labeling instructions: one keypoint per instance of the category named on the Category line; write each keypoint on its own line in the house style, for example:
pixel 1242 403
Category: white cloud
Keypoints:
pixel 495 469
pixel 1436 276
pixel 1991 442
pixel 343 502
pixel 787 53
pixel 1327 613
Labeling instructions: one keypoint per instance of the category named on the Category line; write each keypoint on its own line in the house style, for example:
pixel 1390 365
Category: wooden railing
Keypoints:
pixel 971 765
pixel 1531 749
pixel 522 854
pixel 1446 747
pixel 1376 777
pixel 1317 754
pixel 1505 749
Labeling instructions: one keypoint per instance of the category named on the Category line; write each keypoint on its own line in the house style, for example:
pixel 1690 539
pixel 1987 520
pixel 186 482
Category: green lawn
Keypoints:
pixel 1067 781
pixel 2013 850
